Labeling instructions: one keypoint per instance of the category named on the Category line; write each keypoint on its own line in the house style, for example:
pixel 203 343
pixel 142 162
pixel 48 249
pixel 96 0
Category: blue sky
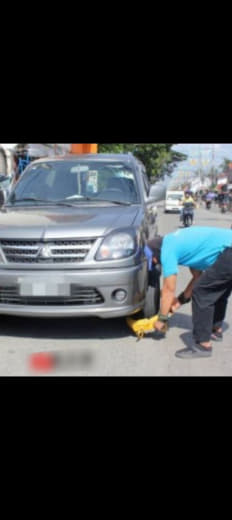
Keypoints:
pixel 200 155
pixel 194 151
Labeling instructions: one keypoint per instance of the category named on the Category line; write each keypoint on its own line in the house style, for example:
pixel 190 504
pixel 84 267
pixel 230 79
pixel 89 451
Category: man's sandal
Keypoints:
pixel 196 351
pixel 216 335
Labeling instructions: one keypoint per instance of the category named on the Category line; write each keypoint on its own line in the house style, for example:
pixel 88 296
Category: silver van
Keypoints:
pixel 72 237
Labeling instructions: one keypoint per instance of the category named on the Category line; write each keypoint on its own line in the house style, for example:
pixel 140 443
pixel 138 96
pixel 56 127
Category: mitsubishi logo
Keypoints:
pixel 45 252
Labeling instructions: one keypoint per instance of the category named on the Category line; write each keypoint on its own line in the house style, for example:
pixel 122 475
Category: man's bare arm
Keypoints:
pixel 168 294
pixel 188 290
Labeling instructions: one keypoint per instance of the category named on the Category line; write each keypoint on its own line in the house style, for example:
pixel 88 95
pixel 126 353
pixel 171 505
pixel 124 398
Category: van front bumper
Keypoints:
pixel 73 293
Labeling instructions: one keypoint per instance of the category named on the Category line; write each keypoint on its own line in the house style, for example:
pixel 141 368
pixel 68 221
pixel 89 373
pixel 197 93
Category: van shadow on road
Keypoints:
pixel 65 328
pixel 77 328
pixel 81 328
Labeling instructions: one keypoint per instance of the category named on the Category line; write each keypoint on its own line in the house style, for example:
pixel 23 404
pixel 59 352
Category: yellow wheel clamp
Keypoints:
pixel 141 327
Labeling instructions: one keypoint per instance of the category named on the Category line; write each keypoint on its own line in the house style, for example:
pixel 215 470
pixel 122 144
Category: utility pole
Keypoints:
pixel 213 164
pixel 200 163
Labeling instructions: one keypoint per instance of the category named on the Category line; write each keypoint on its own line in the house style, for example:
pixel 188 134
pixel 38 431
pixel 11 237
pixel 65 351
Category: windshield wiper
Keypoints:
pixel 65 202
pixel 115 202
pixel 27 199
pixel 47 201
pixel 93 199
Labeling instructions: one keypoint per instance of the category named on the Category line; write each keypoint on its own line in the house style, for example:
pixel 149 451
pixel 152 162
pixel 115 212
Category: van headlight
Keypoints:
pixel 117 245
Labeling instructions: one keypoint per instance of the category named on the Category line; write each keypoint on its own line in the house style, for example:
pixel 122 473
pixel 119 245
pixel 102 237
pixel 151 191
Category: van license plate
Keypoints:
pixel 44 289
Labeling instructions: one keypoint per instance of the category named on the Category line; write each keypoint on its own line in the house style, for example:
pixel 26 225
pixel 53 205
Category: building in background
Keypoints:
pixel 15 154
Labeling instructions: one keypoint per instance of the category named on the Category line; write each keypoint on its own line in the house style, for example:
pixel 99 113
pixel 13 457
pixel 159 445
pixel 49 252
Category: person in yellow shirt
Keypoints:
pixel 187 199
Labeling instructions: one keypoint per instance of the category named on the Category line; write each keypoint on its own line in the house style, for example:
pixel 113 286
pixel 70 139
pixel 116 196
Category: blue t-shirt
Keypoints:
pixel 196 247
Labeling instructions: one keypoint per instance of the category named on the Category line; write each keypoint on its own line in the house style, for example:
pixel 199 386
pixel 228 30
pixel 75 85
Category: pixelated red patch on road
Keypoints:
pixel 42 361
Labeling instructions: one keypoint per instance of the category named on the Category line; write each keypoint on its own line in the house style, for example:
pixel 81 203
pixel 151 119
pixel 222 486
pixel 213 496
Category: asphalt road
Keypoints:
pixel 94 347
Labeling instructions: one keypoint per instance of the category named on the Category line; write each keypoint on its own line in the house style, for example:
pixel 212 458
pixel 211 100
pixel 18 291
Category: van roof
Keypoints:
pixel 101 157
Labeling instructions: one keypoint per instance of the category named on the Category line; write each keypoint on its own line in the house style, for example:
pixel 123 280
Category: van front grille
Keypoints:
pixel 78 296
pixel 38 252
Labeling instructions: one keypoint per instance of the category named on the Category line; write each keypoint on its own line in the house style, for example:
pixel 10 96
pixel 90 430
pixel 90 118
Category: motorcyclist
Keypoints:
pixel 209 197
pixel 223 199
pixel 230 200
pixel 187 199
pixel 225 202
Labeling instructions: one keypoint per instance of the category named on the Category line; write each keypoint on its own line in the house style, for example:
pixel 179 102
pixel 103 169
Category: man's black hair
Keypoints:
pixel 155 245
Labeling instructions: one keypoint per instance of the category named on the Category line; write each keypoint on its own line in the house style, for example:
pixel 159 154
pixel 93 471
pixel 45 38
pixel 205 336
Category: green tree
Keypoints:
pixel 157 158
pixel 226 168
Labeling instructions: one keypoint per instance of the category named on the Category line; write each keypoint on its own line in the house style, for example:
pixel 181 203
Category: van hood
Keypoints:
pixel 53 222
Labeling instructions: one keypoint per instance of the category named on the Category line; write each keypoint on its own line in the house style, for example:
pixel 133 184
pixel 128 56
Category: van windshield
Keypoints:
pixel 75 181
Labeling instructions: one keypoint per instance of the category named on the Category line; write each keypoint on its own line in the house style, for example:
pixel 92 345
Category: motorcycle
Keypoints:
pixel 188 214
pixel 224 207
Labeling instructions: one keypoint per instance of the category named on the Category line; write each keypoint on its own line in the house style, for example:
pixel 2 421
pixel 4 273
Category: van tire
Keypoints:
pixel 152 299
pixel 152 302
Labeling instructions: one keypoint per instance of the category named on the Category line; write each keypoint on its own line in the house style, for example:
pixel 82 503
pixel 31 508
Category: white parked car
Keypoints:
pixel 173 201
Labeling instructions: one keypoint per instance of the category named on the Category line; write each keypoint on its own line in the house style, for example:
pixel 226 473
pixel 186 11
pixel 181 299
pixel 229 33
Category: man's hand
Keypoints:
pixel 161 326
pixel 175 305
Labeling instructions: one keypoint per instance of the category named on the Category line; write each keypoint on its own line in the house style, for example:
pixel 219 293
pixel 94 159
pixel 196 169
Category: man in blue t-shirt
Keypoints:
pixel 207 251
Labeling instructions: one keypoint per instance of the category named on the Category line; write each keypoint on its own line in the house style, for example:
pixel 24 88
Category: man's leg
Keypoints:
pixel 220 312
pixel 202 310
pixel 210 296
